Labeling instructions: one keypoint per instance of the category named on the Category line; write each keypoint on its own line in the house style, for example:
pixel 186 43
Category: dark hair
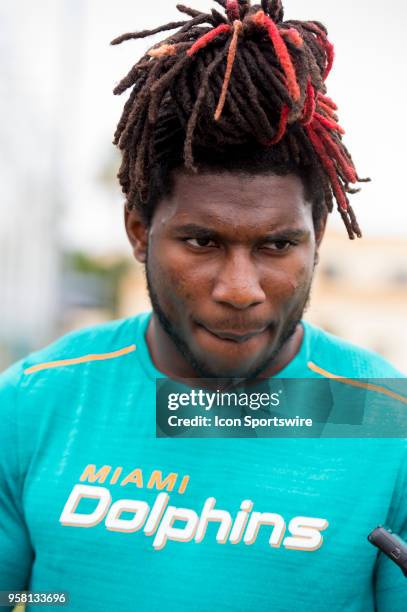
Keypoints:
pixel 244 93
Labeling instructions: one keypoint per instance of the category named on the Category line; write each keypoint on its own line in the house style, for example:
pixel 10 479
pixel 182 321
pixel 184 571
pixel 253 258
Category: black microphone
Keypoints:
pixel 392 545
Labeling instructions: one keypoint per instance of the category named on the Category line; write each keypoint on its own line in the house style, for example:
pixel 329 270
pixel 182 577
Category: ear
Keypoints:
pixel 137 232
pixel 320 230
pixel 319 234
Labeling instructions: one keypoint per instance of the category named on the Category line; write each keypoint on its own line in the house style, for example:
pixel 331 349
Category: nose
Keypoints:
pixel 237 282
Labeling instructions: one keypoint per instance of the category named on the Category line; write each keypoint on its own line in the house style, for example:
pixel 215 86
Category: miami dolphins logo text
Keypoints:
pixel 159 521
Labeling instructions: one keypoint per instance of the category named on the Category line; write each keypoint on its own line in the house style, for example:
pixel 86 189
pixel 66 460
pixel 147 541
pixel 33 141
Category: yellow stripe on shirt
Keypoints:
pixel 357 383
pixel 84 359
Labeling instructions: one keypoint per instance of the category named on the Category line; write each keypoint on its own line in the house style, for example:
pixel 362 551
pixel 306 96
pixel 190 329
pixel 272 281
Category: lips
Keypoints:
pixel 234 336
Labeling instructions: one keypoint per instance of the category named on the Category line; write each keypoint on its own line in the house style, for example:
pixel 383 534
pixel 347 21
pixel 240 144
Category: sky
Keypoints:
pixel 62 70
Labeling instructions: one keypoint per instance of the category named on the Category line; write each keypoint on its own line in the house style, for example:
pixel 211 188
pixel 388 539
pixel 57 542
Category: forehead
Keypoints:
pixel 235 202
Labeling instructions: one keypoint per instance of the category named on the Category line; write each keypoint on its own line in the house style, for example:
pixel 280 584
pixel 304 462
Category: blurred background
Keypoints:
pixel 64 258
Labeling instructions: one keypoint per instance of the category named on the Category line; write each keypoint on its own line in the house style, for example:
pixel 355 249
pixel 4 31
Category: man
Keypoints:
pixel 232 155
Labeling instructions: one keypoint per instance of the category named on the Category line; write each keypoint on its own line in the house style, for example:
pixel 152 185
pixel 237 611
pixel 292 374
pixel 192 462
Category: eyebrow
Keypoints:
pixel 288 233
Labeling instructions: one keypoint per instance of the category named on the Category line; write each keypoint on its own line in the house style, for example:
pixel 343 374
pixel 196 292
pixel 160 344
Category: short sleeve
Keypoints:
pixel 390 582
pixel 16 554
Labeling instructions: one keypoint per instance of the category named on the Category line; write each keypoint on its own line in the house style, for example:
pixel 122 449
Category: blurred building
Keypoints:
pixel 39 104
pixel 29 253
pixel 360 293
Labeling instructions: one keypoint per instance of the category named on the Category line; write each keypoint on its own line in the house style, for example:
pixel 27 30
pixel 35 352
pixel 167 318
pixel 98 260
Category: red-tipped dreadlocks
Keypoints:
pixel 207 38
pixel 329 124
pixel 309 106
pixel 293 37
pixel 237 27
pixel 225 81
pixel 282 126
pixel 262 20
pixel 232 10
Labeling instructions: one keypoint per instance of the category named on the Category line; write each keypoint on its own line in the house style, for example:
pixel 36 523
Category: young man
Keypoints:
pixel 232 156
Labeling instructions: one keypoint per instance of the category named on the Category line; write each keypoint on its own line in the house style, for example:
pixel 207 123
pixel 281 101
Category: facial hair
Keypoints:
pixel 201 367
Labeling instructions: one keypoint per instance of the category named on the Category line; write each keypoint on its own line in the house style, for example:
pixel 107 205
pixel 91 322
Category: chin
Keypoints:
pixel 217 358
pixel 223 370
pixel 224 373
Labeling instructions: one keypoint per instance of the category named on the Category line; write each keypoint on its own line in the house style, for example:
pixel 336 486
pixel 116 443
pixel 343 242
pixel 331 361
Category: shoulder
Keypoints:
pixel 333 355
pixel 106 341
pixel 76 370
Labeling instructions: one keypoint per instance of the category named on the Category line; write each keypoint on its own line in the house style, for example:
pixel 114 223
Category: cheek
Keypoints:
pixel 175 279
pixel 289 282
pixel 301 277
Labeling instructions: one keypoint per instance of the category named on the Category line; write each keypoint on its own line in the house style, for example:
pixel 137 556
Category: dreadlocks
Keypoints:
pixel 240 89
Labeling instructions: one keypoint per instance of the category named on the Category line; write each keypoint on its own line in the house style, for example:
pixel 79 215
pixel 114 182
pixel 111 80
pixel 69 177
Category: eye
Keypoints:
pixel 200 243
pixel 279 245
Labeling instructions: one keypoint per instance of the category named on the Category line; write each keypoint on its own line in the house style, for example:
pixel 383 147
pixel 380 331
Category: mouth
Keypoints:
pixel 232 336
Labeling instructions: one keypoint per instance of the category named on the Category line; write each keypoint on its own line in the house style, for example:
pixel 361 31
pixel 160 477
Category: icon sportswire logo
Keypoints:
pixel 163 522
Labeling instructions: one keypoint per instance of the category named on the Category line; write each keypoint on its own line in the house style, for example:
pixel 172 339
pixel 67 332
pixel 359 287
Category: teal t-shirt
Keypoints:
pixel 92 503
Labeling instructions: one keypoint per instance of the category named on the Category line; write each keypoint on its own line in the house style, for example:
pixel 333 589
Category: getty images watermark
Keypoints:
pixel 295 408
pixel 210 401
